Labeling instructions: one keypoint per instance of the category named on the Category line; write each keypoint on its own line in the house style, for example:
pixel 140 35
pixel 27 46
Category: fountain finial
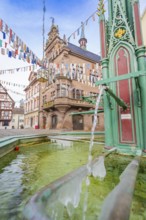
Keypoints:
pixel 100 9
pixel 53 20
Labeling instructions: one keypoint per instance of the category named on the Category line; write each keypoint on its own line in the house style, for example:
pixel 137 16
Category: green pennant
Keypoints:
pixel 0 43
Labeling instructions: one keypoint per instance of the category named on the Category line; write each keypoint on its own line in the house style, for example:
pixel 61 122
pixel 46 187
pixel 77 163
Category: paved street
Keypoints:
pixel 14 132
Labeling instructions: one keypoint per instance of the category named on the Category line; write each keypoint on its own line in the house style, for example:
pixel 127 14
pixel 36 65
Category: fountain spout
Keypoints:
pixel 117 99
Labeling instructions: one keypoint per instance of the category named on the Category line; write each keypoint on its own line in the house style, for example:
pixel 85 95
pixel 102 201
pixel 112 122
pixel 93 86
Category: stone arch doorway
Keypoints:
pixel 54 120
pixel 78 122
pixel 44 122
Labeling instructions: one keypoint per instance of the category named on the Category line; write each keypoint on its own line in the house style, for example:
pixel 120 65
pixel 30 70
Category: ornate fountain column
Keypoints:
pixel 123 61
pixel 140 53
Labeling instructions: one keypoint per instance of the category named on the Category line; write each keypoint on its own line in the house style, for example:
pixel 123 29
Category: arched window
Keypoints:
pixel 74 93
pixel 78 95
pixel 54 121
pixel 78 122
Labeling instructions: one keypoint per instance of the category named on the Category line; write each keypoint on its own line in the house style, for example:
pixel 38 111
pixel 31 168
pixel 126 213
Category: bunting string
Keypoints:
pixel 12 84
pixel 17 93
pixel 77 31
pixel 85 73
pixel 18 69
pixel 18 49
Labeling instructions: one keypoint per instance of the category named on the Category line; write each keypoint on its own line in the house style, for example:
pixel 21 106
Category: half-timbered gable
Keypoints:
pixel 6 107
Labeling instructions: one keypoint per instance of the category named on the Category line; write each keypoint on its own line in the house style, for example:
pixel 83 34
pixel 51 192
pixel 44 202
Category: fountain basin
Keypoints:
pixel 35 166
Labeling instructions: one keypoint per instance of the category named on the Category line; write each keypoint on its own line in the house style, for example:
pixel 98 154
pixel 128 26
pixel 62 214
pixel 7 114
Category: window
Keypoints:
pixel 77 94
pixel 63 90
pixel 31 91
pixel 44 99
pixel 58 90
pixel 35 89
pixel 54 121
pixel 5 123
pixel 74 76
pixel 52 94
pixel 34 103
pixel 38 87
pixel 37 102
pixel 97 119
pixel 31 105
pixel 6 113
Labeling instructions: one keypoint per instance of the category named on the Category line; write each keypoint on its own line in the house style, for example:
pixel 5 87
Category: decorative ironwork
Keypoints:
pixel 120 33
pixel 101 9
pixel 120 30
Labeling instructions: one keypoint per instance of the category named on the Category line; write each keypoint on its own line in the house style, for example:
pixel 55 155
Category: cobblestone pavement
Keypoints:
pixel 16 132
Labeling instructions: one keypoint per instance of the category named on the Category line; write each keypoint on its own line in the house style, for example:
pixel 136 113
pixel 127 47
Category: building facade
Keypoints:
pixel 31 105
pixel 17 121
pixel 143 25
pixel 72 73
pixel 6 108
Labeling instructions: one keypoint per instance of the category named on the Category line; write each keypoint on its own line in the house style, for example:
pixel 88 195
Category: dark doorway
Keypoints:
pixel 44 122
pixel 31 122
pixel 5 123
pixel 54 121
pixel 78 122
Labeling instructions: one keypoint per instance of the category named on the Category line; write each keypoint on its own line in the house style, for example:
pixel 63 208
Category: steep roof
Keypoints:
pixel 4 90
pixel 77 50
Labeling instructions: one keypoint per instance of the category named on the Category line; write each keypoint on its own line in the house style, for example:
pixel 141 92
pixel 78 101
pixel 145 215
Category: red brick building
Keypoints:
pixel 71 74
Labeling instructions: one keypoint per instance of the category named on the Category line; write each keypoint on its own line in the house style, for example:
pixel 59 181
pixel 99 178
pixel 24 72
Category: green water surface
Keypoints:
pixel 23 173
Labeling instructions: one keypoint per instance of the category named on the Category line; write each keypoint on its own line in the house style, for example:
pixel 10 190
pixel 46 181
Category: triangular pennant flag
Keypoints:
pixel 87 21
pixel 0 43
pixel 6 29
pixel 4 35
pixel 1 24
pixel 78 31
pixel 74 35
pixel 93 17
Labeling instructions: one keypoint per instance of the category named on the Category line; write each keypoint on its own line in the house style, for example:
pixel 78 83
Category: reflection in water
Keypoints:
pixel 62 143
pixel 98 169
pixel 33 167
pixel 11 188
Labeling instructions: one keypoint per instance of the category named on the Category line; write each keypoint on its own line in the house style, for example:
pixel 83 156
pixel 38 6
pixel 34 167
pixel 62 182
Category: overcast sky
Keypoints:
pixel 25 19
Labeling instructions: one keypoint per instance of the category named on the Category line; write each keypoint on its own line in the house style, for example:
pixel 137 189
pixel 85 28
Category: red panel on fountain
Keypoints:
pixel 124 91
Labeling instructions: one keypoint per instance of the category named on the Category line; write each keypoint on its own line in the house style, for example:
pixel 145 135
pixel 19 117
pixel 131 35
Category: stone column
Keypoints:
pixel 61 115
